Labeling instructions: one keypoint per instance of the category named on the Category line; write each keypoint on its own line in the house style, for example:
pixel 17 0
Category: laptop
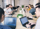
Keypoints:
pixel 10 21
pixel 24 21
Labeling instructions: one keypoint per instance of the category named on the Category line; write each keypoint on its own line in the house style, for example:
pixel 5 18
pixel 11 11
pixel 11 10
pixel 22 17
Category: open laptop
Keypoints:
pixel 10 21
pixel 24 21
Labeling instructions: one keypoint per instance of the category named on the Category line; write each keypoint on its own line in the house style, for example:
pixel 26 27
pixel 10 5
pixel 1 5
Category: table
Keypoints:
pixel 18 23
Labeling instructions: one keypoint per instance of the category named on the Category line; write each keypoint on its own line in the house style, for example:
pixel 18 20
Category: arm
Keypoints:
pixel 12 11
pixel 7 13
pixel 28 26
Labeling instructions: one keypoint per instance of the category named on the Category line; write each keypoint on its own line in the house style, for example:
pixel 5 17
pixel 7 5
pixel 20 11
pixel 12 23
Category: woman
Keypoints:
pixel 29 7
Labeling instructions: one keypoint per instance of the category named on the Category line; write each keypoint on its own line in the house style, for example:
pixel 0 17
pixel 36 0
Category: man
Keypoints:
pixel 12 8
pixel 2 16
pixel 38 15
pixel 7 10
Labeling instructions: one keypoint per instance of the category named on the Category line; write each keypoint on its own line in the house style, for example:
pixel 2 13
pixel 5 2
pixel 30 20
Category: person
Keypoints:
pixel 38 15
pixel 7 10
pixel 30 25
pixel 11 8
pixel 29 7
pixel 2 16
pixel 32 11
pixel 37 4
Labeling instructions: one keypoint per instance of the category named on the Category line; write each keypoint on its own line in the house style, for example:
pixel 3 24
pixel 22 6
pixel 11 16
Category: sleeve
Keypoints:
pixel 37 24
pixel 8 27
pixel 5 27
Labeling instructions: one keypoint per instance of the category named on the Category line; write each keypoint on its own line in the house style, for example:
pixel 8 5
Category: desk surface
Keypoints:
pixel 18 23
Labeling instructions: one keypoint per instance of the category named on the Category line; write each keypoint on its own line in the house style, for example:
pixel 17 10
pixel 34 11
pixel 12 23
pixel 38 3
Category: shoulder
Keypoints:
pixel 33 8
pixel 38 19
pixel 4 27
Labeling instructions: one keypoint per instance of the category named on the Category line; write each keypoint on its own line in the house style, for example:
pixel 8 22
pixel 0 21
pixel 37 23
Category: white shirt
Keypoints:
pixel 7 10
pixel 38 24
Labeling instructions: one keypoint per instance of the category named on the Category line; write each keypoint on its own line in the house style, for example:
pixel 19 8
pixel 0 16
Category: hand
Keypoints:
pixel 10 12
pixel 31 16
pixel 28 26
pixel 32 23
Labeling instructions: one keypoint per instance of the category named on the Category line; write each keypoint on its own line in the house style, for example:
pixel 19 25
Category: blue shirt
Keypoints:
pixel 32 11
pixel 4 27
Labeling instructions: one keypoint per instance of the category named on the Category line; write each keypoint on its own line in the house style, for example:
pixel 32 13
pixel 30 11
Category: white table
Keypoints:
pixel 18 23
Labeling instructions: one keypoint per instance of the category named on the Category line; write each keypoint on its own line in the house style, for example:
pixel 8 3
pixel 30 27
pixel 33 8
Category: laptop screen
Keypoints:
pixel 23 20
pixel 10 21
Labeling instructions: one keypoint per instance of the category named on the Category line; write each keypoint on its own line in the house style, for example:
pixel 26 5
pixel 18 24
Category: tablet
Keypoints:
pixel 24 20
